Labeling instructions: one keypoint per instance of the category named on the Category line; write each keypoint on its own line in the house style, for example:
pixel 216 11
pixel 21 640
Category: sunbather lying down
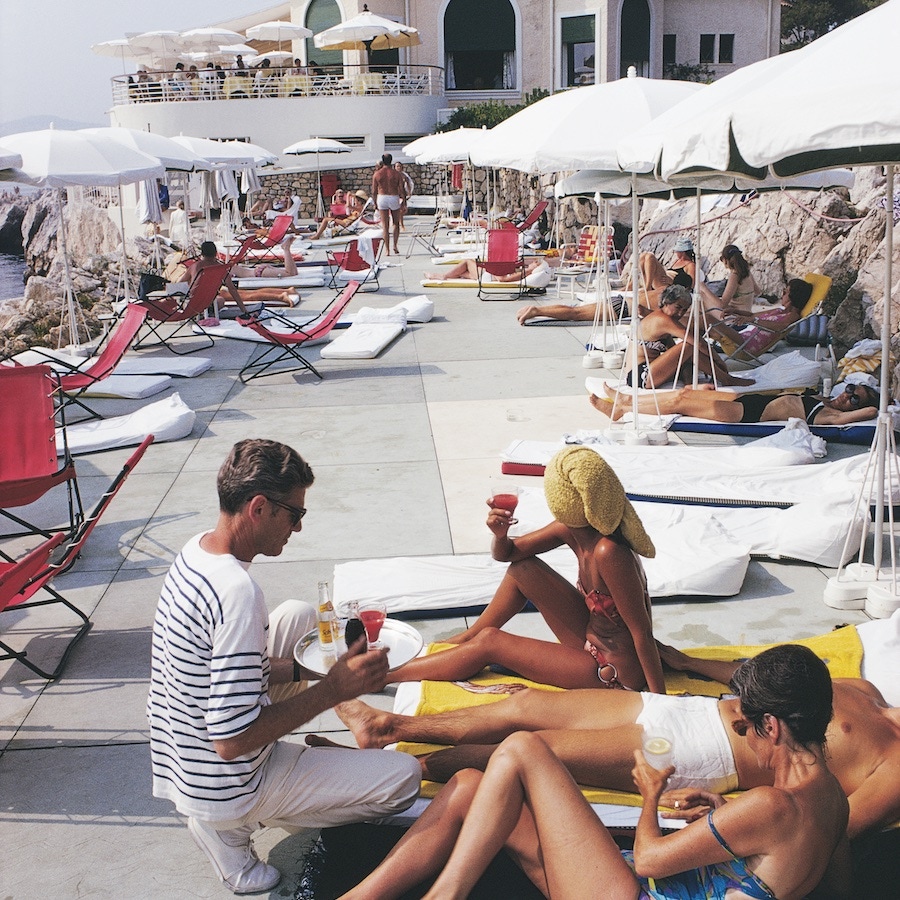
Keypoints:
pixel 468 269
pixel 856 403
pixel 596 732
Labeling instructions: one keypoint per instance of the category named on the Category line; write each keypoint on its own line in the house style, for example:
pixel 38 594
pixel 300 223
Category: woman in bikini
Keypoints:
pixel 775 841
pixel 740 291
pixel 603 625
pixel 661 337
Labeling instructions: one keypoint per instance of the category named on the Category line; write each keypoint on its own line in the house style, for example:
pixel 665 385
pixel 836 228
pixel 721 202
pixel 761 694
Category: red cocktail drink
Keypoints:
pixel 372 614
pixel 506 501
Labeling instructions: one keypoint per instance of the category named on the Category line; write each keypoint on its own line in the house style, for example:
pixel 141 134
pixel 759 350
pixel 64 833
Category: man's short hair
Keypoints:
pixel 387 158
pixel 675 293
pixel 208 249
pixel 256 466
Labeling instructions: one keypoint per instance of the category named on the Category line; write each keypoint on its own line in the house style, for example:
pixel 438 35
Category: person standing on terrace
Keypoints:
pixel 389 194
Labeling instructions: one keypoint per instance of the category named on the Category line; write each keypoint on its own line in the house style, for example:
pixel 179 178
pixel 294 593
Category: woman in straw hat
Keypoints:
pixel 603 625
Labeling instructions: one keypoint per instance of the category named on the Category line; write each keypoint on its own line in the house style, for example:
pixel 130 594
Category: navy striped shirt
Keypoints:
pixel 209 680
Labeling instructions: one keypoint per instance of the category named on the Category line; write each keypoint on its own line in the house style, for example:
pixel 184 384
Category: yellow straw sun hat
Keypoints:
pixel 582 490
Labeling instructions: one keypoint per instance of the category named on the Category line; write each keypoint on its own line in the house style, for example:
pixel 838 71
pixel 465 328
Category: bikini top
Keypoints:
pixel 601 603
pixel 736 872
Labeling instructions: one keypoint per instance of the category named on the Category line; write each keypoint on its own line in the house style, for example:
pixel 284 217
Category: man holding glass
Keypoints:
pixel 224 688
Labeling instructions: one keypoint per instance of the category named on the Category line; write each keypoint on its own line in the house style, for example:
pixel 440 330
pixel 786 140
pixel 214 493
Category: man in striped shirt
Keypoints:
pixel 224 688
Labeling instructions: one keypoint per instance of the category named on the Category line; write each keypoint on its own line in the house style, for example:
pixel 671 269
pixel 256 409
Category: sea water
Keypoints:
pixel 11 270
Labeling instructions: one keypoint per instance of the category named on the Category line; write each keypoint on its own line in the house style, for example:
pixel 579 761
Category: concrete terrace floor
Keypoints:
pixel 402 447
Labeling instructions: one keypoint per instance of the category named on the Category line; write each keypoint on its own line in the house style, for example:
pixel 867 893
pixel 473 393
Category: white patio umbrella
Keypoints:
pixel 317 146
pixel 210 39
pixel 261 156
pixel 580 128
pixel 368 32
pixel 276 57
pixel 218 153
pixel 164 47
pixel 446 146
pixel 279 32
pixel 121 48
pixel 809 113
pixel 58 159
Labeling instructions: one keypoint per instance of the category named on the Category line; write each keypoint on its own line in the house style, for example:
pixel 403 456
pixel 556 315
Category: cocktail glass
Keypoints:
pixel 372 614
pixel 505 495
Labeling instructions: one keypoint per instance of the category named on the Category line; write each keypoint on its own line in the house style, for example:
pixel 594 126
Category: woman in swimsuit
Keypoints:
pixel 659 355
pixel 740 291
pixel 778 841
pixel 856 403
pixel 762 331
pixel 603 626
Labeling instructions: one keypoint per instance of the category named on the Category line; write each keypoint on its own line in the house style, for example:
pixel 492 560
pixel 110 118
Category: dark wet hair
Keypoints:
pixel 256 466
pixel 799 292
pixel 790 683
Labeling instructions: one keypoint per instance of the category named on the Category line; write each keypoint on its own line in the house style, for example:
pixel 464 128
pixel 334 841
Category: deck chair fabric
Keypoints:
pixel 533 216
pixel 351 265
pixel 77 381
pixel 252 245
pixel 30 466
pixel 285 346
pixel 745 352
pixel 503 257
pixel 424 234
pixel 812 329
pixel 184 313
pixel 26 584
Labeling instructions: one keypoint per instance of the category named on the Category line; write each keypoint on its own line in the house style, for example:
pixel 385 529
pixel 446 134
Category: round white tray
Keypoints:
pixel 403 643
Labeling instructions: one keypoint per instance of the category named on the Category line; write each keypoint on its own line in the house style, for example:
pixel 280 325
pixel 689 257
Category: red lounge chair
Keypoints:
pixel 276 234
pixel 76 381
pixel 29 464
pixel 503 257
pixel 182 311
pixel 21 581
pixel 352 264
pixel 286 346
pixel 533 216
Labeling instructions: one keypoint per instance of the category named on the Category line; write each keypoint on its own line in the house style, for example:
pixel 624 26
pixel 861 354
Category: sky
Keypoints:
pixel 46 63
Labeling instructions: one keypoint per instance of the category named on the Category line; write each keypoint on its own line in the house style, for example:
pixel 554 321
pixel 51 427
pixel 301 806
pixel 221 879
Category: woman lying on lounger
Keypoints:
pixel 856 403
pixel 468 268
pixel 774 841
pixel 663 343
pixel 762 331
pixel 603 625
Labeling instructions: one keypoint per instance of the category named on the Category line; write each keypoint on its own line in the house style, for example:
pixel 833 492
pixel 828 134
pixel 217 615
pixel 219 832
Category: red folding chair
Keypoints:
pixel 253 247
pixel 533 216
pixel 21 582
pixel 503 257
pixel 75 381
pixel 285 345
pixel 352 266
pixel 30 466
pixel 183 312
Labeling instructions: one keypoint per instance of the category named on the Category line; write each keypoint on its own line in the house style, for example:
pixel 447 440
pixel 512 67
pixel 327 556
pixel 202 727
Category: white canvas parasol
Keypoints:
pixel 578 129
pixel 446 146
pixel 59 159
pixel 9 159
pixel 210 39
pixel 368 32
pixel 316 146
pixel 278 32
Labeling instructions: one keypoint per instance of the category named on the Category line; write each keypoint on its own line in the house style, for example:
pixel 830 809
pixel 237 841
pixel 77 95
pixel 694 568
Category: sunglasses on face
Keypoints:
pixel 297 512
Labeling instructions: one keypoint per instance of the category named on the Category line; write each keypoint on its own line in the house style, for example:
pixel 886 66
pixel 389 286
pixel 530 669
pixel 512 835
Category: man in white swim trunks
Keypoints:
pixel 596 733
pixel 389 193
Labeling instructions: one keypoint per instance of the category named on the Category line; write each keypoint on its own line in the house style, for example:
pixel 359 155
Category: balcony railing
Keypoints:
pixel 322 81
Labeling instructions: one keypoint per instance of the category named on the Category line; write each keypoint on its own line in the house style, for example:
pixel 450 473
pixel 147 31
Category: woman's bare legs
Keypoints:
pixel 465 268
pixel 561 604
pixel 719 406
pixel 422 851
pixel 563 847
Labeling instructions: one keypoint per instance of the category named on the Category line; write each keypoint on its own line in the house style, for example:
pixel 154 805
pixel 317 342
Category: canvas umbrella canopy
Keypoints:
pixel 368 32
pixel 445 146
pixel 278 32
pixel 580 128
pixel 58 159
pixel 9 159
pixel 121 48
pixel 276 57
pixel 218 153
pixel 261 156
pixel 210 39
pixel 317 146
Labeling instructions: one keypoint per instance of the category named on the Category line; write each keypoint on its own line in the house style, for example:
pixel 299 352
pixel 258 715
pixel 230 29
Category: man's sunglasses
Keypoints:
pixel 297 512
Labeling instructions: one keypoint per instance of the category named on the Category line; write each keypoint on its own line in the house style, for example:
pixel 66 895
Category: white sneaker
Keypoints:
pixel 234 859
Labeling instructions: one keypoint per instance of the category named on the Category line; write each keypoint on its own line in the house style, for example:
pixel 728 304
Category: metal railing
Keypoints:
pixel 318 81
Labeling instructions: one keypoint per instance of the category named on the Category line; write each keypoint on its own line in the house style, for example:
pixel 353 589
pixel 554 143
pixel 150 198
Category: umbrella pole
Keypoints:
pixel 320 208
pixel 862 586
pixel 123 275
pixel 634 437
pixel 70 288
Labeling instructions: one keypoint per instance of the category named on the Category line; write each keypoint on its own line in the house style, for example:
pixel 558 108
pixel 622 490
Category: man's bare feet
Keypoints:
pixel 432 276
pixel 371 727
pixel 526 313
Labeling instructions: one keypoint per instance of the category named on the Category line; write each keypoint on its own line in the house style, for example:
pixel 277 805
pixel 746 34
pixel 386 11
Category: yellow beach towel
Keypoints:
pixel 840 649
